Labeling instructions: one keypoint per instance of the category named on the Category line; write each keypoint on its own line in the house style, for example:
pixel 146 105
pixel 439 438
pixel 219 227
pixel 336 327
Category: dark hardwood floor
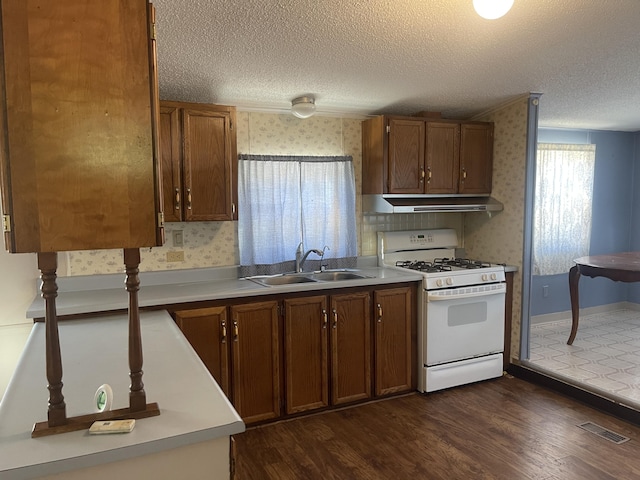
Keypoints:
pixel 500 429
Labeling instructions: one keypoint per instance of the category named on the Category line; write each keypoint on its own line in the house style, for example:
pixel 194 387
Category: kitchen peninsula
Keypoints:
pixel 189 439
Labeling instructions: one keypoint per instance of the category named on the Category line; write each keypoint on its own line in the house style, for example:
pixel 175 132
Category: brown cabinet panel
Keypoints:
pixel 442 157
pixel 256 360
pixel 350 347
pixel 305 353
pixel 199 159
pixel 410 155
pixel 406 156
pixel 170 156
pixel 207 331
pixel 78 158
pixel 476 157
pixel 393 319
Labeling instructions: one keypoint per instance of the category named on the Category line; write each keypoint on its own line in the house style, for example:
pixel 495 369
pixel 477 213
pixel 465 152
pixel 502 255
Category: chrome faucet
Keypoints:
pixel 301 257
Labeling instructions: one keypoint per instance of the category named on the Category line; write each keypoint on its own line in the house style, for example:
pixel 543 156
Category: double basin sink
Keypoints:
pixel 292 278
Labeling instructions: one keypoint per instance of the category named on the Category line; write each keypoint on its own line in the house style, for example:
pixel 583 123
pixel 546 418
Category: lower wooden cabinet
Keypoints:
pixel 255 374
pixel 331 349
pixel 350 347
pixel 327 350
pixel 393 359
pixel 249 334
pixel 306 345
pixel 206 330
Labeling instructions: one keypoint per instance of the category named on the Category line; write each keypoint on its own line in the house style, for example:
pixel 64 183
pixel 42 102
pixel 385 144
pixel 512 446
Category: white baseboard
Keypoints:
pixel 611 307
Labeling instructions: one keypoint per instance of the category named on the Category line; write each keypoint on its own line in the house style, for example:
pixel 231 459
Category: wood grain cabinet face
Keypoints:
pixel 199 161
pixel 476 158
pixel 78 156
pixel 255 353
pixel 350 347
pixel 207 331
pixel 408 155
pixel 306 337
pixel 392 356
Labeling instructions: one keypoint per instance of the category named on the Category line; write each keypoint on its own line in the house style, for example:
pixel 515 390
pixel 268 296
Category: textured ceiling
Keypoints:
pixel 403 56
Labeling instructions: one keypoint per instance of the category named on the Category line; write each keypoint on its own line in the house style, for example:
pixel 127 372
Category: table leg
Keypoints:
pixel 574 278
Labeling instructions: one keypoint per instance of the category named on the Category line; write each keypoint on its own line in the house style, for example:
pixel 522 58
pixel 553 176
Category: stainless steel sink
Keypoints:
pixel 293 278
pixel 336 276
pixel 285 279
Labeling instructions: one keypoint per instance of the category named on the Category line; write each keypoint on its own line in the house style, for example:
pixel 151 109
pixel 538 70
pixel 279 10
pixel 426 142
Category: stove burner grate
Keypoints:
pixel 461 263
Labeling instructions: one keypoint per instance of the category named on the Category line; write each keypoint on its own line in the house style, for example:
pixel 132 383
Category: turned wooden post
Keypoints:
pixel 137 395
pixel 57 413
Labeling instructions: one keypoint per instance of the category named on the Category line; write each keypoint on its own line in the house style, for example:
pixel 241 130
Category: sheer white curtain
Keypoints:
pixel 562 213
pixel 285 200
pixel 328 208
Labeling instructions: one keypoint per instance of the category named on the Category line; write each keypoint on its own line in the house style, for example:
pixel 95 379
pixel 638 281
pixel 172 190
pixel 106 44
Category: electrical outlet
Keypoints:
pixel 176 256
pixel 178 240
pixel 545 291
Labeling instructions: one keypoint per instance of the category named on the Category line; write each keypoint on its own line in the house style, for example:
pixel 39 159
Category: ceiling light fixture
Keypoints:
pixel 492 9
pixel 303 107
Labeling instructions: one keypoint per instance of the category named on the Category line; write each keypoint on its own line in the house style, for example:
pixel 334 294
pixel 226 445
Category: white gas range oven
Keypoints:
pixel 461 307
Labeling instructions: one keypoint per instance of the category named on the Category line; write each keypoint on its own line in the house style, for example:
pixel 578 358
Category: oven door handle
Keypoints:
pixel 434 297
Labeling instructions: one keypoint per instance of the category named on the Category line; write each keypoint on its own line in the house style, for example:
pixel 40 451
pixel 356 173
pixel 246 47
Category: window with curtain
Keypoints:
pixel 285 200
pixel 562 213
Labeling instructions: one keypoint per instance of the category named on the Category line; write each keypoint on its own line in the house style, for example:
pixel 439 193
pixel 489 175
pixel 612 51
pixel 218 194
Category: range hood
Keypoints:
pixel 387 203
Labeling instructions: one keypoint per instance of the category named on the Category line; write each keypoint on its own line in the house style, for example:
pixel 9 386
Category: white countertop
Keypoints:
pixel 102 293
pixel 94 351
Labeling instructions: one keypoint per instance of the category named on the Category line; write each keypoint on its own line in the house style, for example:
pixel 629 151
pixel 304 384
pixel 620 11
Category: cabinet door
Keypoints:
pixel 207 165
pixel 350 347
pixel 255 361
pixel 406 156
pixel 78 157
pixel 393 315
pixel 170 147
pixel 305 353
pixel 206 330
pixel 476 158
pixel 442 157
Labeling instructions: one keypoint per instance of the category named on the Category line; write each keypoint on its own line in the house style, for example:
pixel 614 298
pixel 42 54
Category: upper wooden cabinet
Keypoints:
pixel 78 95
pixel 199 161
pixel 410 155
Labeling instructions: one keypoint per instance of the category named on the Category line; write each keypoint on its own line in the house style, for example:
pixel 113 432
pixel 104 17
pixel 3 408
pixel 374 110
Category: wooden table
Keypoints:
pixel 619 267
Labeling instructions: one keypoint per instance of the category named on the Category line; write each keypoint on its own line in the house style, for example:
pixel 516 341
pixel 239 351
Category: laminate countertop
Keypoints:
pixel 94 352
pixel 103 293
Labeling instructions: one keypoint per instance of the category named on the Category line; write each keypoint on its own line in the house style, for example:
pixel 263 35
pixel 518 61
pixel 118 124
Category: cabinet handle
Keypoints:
pixel 464 174
pixel 335 319
pixel 422 174
pixel 379 313
pixel 429 175
pixel 189 198
pixel 233 208
pixel 177 198
pixel 224 331
pixel 235 331
pixel 324 318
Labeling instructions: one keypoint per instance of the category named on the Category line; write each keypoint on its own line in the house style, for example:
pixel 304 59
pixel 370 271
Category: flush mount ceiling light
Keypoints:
pixel 492 9
pixel 303 107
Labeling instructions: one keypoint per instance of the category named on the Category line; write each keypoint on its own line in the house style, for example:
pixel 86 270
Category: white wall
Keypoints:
pixel 18 279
